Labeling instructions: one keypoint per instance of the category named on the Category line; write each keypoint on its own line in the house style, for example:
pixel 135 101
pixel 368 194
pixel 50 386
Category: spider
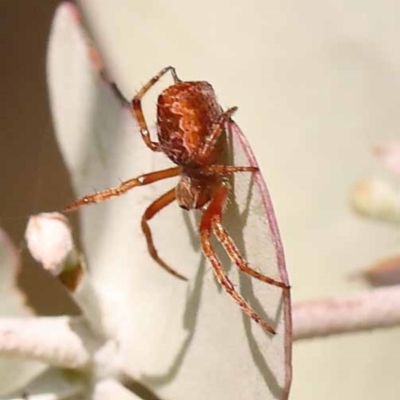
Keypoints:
pixel 191 133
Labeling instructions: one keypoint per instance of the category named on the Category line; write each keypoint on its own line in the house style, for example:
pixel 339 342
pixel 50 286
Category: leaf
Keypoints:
pixel 109 390
pixel 13 301
pixel 53 384
pixel 176 337
pixel 14 373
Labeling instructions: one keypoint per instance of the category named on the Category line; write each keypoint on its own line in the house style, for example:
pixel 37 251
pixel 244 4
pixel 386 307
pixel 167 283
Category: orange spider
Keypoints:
pixel 191 133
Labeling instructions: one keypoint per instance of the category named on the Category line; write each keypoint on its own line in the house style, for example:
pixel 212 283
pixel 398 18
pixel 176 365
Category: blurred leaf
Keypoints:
pixel 14 373
pixel 176 337
pixel 53 384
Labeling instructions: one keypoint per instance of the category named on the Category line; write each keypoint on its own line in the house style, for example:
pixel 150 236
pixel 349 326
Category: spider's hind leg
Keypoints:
pixel 165 200
pixel 235 256
pixel 224 237
pixel 213 212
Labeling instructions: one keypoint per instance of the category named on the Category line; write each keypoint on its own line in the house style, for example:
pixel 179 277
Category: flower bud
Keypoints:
pixel 49 240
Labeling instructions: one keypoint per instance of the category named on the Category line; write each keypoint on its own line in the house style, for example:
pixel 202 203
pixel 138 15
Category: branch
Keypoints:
pixel 59 341
pixel 377 308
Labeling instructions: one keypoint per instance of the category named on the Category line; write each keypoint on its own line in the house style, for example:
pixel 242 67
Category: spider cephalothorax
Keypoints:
pixel 190 128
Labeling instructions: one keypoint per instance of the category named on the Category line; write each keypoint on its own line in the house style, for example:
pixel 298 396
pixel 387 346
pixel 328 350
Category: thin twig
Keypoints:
pixel 378 308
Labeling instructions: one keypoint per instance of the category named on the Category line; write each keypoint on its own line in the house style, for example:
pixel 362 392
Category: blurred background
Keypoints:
pixel 318 83
pixel 33 176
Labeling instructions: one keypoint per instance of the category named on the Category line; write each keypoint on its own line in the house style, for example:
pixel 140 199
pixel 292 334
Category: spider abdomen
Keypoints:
pixel 186 114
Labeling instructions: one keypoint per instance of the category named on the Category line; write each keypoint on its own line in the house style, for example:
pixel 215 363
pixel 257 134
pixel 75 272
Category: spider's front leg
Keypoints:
pixel 210 216
pixel 217 131
pixel 123 188
pixel 137 106
pixel 94 54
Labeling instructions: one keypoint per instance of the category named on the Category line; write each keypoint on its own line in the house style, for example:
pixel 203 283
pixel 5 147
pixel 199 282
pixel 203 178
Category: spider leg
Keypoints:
pixel 235 256
pixel 218 128
pixel 224 237
pixel 137 106
pixel 165 200
pixel 123 188
pixel 214 209
pixel 94 55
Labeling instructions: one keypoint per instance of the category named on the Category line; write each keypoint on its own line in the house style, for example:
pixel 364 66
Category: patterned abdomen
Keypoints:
pixel 186 113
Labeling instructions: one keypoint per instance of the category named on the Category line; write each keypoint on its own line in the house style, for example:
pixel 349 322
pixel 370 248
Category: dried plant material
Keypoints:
pixel 384 272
